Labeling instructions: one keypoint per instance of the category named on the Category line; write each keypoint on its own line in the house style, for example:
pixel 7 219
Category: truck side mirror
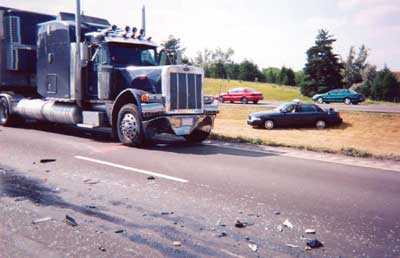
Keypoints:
pixel 84 54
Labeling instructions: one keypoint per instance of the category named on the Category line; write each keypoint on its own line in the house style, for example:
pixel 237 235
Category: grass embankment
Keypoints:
pixel 361 134
pixel 270 91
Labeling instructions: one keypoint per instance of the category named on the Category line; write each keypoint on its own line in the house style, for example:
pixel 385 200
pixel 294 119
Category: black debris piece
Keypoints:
pixel 119 231
pixel 314 243
pixel 222 234
pixel 70 221
pixel 47 160
pixel 240 224
pixel 101 248
pixel 151 178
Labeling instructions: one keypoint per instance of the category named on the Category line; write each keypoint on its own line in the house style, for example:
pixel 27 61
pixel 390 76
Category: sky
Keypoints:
pixel 268 32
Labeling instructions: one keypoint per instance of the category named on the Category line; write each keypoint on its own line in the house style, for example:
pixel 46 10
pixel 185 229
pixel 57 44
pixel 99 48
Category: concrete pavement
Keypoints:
pixel 198 194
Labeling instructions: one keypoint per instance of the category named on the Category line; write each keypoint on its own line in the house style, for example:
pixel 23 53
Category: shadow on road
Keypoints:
pixel 20 187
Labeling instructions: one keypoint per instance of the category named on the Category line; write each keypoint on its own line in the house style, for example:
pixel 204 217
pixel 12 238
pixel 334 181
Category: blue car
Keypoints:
pixel 339 95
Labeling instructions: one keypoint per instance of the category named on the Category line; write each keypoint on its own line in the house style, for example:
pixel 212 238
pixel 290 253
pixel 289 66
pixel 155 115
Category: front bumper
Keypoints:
pixel 156 120
pixel 254 121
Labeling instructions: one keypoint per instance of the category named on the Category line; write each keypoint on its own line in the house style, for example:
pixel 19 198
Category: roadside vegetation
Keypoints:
pixel 361 134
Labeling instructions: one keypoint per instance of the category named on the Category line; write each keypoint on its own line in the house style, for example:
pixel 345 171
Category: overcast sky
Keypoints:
pixel 269 32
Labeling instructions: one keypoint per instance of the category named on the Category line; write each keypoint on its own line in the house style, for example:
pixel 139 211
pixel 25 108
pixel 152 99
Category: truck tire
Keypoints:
pixel 7 119
pixel 129 126
pixel 197 136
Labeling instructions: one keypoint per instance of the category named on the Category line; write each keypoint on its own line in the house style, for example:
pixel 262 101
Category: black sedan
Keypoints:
pixel 295 114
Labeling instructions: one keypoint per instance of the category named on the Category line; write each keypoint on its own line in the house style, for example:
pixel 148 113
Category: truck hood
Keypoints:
pixel 143 78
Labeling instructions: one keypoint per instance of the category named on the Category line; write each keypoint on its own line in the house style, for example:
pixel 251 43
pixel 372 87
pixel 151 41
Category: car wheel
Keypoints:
pixel 269 125
pixel 347 101
pixel 320 100
pixel 255 102
pixel 129 126
pixel 320 124
pixel 244 101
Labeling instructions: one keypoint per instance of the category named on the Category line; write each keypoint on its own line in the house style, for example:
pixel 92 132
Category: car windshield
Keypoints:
pixel 128 54
pixel 353 92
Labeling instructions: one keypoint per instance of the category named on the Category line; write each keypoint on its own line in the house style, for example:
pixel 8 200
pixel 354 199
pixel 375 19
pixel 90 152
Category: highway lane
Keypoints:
pixel 374 108
pixel 354 209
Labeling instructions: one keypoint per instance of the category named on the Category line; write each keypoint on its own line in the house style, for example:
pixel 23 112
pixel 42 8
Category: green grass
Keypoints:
pixel 270 91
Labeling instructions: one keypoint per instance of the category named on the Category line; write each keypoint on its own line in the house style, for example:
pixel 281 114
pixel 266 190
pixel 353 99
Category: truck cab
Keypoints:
pixel 122 80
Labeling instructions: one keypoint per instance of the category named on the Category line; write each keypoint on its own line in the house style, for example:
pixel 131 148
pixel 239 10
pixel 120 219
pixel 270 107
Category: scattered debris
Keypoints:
pixel 45 219
pixel 220 223
pixel 314 243
pixel 240 224
pixel 70 221
pixel 164 213
pixel 277 212
pixel 287 224
pixel 292 246
pixel 310 231
pixel 279 228
pixel 253 247
pixel 222 234
pixel 91 207
pixel 247 238
pixel 91 181
pixel 119 231
pixel 47 171
pixel 177 243
pixel 101 248
pixel 151 178
pixel 47 160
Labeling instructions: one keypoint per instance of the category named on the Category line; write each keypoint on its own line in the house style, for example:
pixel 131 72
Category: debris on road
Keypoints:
pixel 45 219
pixel 220 223
pixel 177 243
pixel 119 231
pixel 47 160
pixel 292 246
pixel 151 178
pixel 314 243
pixel 279 228
pixel 91 181
pixel 101 248
pixel 310 231
pixel 70 221
pixel 277 212
pixel 222 234
pixel 164 213
pixel 91 207
pixel 253 247
pixel 287 224
pixel 240 224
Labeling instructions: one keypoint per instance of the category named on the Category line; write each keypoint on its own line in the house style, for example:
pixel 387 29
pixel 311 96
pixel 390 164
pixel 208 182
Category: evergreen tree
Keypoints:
pixel 291 77
pixel 377 84
pixel 173 48
pixel 323 69
pixel 248 71
pixel 390 87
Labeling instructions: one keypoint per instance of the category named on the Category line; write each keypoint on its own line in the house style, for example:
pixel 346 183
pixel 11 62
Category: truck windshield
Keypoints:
pixel 126 54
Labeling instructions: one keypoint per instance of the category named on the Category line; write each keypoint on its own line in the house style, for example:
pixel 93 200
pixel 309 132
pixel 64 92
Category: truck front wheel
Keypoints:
pixel 129 126
pixel 197 136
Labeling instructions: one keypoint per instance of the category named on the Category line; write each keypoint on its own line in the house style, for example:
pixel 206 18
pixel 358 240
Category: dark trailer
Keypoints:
pixel 18 37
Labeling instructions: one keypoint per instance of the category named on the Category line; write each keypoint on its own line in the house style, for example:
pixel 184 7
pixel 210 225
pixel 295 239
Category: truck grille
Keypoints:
pixel 186 91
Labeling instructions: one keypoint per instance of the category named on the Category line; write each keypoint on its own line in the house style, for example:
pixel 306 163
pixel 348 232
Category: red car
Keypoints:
pixel 244 95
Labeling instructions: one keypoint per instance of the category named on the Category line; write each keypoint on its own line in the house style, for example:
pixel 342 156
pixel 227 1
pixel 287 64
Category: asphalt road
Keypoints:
pixel 375 108
pixel 197 195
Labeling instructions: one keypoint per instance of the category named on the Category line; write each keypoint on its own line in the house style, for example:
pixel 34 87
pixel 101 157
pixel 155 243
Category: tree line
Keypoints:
pixel 323 71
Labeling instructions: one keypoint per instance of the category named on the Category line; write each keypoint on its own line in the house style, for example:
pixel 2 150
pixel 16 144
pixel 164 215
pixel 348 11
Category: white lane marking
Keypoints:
pixel 141 171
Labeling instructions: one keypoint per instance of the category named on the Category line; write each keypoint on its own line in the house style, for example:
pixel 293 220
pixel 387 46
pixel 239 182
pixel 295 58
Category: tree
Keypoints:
pixel 354 66
pixel 299 77
pixel 390 87
pixel 232 71
pixel 323 69
pixel 271 74
pixel 173 48
pixel 377 84
pixel 248 71
pixel 282 78
pixel 291 77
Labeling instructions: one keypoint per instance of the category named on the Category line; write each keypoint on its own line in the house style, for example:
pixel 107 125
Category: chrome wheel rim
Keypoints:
pixel 269 124
pixel 320 101
pixel 3 111
pixel 129 126
pixel 321 124
pixel 347 101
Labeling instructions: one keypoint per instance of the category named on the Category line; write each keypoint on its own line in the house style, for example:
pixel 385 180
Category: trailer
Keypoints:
pixel 79 70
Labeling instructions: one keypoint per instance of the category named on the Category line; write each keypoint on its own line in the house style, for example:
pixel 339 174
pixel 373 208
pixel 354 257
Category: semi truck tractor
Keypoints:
pixel 79 70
